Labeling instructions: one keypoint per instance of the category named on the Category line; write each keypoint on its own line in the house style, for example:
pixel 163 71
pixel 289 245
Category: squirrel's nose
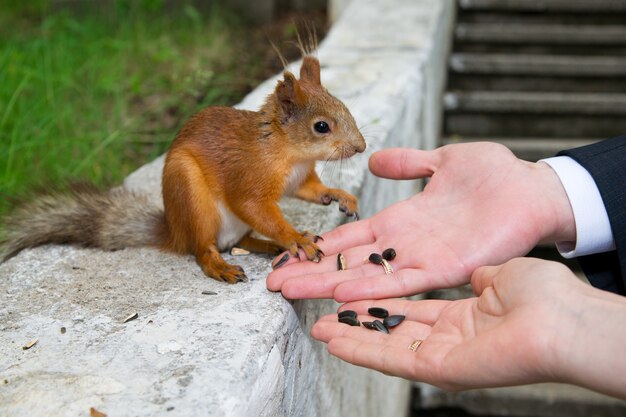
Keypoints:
pixel 360 146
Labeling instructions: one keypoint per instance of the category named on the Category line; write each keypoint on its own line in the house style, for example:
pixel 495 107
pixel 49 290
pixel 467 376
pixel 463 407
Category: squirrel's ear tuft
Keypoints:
pixel 289 95
pixel 310 70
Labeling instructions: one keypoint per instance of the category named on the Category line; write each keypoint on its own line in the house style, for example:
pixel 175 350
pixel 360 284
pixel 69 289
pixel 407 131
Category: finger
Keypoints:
pixel 482 278
pixel 322 285
pixel 328 327
pixel 347 236
pixel 318 280
pixel 409 328
pixel 395 360
pixel 404 163
pixel 402 283
pixel 423 311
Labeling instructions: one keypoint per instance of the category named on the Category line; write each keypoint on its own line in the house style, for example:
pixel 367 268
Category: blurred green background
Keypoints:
pixel 92 94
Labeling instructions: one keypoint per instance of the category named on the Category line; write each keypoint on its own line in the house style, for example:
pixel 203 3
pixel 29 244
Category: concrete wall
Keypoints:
pixel 243 351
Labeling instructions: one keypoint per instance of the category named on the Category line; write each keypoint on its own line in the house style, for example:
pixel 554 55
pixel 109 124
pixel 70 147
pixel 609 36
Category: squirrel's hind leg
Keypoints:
pixel 193 217
pixel 214 266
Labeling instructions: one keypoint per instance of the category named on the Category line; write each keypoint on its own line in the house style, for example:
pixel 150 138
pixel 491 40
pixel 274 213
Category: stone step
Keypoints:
pixel 537 400
pixel 533 18
pixel 542 103
pixel 533 125
pixel 549 6
pixel 487 82
pixel 542 65
pixel 543 49
pixel 517 33
pixel 529 149
pixel 534 114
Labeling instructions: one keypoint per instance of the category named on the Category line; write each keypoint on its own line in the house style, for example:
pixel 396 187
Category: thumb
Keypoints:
pixel 483 277
pixel 404 163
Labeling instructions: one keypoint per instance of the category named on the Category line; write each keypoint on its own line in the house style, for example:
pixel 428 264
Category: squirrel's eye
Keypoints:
pixel 321 127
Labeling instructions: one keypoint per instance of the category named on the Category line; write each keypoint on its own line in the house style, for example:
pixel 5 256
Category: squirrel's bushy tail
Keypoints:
pixel 85 216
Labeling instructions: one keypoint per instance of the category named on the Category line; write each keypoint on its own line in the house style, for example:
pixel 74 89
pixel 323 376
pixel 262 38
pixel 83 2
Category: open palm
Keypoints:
pixel 508 335
pixel 482 206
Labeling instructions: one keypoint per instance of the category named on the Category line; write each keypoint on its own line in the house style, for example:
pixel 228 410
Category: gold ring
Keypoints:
pixel 415 345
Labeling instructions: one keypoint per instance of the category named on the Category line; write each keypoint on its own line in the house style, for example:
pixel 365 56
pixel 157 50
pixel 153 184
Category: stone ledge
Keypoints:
pixel 243 351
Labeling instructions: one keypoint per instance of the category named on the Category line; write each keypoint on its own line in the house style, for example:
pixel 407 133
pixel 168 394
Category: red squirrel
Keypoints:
pixel 224 175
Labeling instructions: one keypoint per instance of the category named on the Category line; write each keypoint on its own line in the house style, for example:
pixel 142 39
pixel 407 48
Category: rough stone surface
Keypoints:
pixel 243 351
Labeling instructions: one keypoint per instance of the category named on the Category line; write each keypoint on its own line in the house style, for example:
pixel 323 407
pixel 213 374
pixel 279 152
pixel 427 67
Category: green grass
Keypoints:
pixel 92 97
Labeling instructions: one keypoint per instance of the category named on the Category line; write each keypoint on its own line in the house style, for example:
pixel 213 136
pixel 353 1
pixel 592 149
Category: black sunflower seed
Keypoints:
pixel 376 259
pixel 393 321
pixel 347 313
pixel 379 312
pixel 389 254
pixel 349 320
pixel 369 325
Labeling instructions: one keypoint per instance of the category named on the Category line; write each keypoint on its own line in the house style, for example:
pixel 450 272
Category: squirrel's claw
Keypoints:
pixel 306 243
pixel 326 199
pixel 348 213
pixel 314 238
pixel 318 256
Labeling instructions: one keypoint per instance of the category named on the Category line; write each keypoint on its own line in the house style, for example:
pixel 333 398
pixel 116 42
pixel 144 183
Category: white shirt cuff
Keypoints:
pixel 593 229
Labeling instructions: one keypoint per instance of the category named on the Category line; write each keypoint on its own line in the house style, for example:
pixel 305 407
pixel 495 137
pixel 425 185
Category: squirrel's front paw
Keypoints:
pixel 306 242
pixel 347 202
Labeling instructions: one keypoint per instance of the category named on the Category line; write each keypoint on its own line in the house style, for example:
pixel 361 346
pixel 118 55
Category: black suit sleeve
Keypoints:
pixel 606 162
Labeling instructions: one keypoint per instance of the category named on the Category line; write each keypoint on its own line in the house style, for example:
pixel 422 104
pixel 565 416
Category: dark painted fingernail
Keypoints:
pixel 281 261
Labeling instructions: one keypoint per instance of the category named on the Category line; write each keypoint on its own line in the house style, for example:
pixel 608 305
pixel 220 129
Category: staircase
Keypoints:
pixel 537 76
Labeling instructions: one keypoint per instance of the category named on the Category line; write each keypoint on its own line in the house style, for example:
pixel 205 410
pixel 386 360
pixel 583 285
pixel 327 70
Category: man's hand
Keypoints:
pixel 533 321
pixel 482 206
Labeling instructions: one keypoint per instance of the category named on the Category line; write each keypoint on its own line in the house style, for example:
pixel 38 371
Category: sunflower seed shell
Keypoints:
pixel 341 263
pixel 378 325
pixel 393 321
